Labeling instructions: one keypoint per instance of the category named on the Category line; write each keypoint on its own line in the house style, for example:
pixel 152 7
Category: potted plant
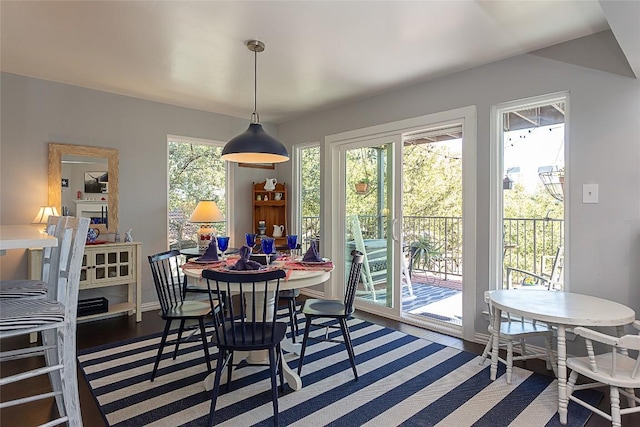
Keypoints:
pixel 362 186
pixel 425 252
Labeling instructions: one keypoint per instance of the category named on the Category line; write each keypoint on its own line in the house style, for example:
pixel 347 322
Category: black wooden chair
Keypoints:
pixel 334 309
pixel 289 297
pixel 169 280
pixel 249 326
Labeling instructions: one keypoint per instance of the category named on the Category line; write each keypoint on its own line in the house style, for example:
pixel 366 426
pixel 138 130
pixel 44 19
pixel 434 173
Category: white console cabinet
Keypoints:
pixel 106 265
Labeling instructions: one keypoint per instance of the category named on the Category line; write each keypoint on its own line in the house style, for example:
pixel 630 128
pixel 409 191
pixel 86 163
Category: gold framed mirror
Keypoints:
pixel 107 183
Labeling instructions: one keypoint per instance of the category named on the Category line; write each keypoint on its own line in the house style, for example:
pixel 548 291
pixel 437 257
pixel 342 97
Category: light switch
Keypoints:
pixel 589 193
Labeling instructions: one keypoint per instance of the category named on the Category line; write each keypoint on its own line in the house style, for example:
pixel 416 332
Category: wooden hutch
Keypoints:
pixel 273 212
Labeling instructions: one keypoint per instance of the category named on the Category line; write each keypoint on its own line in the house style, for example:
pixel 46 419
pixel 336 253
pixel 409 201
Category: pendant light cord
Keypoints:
pixel 255 118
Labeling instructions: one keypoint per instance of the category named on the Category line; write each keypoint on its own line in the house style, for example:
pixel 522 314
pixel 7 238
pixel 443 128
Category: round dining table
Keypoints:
pixel 296 279
pixel 562 309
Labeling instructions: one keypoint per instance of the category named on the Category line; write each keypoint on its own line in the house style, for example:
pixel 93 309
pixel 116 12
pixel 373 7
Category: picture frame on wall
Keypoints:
pixel 96 182
pixel 258 165
pixel 65 183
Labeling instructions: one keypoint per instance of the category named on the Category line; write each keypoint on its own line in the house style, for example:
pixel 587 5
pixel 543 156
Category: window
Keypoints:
pixel 306 217
pixel 531 224
pixel 196 172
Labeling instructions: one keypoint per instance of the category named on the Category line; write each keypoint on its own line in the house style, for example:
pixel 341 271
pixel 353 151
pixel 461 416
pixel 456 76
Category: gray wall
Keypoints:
pixel 604 141
pixel 35 112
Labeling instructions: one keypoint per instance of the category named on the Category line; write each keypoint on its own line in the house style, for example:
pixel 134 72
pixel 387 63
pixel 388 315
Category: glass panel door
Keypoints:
pixel 432 224
pixel 368 218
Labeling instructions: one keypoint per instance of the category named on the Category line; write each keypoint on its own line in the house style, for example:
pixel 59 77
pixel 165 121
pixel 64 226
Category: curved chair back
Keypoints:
pixel 168 278
pixel 252 324
pixel 352 280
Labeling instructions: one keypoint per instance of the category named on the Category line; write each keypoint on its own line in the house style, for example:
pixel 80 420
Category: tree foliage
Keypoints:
pixel 196 172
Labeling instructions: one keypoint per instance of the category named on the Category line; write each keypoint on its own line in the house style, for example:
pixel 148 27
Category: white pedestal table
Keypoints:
pixel 297 279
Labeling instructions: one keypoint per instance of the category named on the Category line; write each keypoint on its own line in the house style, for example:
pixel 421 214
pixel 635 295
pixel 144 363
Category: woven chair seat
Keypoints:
pixel 23 288
pixel 25 314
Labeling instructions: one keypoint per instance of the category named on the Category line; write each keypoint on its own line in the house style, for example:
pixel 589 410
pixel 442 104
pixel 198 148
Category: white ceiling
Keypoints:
pixel 318 54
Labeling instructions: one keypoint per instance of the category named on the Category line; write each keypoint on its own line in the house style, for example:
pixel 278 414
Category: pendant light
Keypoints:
pixel 255 145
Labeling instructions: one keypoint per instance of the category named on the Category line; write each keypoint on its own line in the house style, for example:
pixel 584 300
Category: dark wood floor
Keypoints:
pixel 95 333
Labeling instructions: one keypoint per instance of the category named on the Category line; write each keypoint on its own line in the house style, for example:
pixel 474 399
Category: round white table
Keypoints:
pixel 297 279
pixel 561 309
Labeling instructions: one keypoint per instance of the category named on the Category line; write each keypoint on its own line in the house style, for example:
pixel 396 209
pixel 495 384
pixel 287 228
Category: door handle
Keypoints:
pixel 394 231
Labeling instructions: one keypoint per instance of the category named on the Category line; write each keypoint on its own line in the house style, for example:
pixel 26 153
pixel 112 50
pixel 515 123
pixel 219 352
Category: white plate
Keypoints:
pixel 211 261
pixel 262 269
pixel 313 263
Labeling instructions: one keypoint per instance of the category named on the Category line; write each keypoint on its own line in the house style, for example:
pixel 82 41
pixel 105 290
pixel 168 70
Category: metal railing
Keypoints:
pixel 527 241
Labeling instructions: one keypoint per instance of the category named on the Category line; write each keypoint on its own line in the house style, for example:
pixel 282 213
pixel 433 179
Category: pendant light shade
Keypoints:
pixel 255 145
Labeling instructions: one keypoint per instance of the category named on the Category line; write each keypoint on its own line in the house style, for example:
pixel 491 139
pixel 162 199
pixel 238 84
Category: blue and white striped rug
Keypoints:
pixel 404 380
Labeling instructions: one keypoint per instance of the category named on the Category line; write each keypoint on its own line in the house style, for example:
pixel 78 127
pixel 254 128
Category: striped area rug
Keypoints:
pixel 404 380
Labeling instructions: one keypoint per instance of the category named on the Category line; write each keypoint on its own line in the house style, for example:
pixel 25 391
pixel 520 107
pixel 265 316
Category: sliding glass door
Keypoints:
pixel 403 194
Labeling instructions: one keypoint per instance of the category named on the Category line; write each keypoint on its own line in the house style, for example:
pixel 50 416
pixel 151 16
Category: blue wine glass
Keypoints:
pixel 251 239
pixel 292 242
pixel 267 247
pixel 223 243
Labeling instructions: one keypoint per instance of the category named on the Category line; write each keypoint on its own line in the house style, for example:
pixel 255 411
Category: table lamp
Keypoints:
pixel 206 213
pixel 43 215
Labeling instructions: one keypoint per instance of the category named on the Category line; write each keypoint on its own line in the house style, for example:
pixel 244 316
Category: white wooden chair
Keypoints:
pixel 374 268
pixel 35 288
pixel 613 368
pixel 512 330
pixel 55 317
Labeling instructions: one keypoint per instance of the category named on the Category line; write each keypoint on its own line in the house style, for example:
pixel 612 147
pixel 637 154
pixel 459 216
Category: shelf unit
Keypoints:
pixel 106 265
pixel 271 211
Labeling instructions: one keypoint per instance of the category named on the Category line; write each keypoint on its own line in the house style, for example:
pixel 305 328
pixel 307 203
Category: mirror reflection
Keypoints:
pixel 83 182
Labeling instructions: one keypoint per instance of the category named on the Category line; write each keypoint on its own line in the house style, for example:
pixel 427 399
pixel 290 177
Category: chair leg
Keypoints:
pixel 551 358
pixel 349 344
pixel 307 326
pixel 292 318
pixel 175 352
pixel 571 383
pixel 274 384
pixel 487 350
pixel 216 386
pixel 69 376
pixel 630 400
pixel 229 371
pixel 509 360
pixel 163 341
pixel 616 421
pixel 205 344
pixel 50 339
pixel 280 362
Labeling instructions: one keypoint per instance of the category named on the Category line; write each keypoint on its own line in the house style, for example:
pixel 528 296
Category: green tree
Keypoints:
pixel 196 172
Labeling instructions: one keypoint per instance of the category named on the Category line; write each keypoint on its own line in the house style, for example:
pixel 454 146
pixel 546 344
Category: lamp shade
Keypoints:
pixel 255 146
pixel 206 211
pixel 44 213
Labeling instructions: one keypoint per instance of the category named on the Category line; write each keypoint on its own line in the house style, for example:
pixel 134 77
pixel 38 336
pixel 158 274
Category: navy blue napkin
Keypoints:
pixel 211 254
pixel 312 254
pixel 244 263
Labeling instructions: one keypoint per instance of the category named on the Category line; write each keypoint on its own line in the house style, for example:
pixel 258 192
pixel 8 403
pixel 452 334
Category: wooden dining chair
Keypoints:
pixel 289 298
pixel 334 309
pixel 55 318
pixel 517 331
pixel 613 368
pixel 251 326
pixel 169 280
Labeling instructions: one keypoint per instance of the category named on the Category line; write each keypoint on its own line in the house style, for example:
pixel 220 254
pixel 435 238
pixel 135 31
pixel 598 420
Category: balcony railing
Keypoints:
pixel 528 242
